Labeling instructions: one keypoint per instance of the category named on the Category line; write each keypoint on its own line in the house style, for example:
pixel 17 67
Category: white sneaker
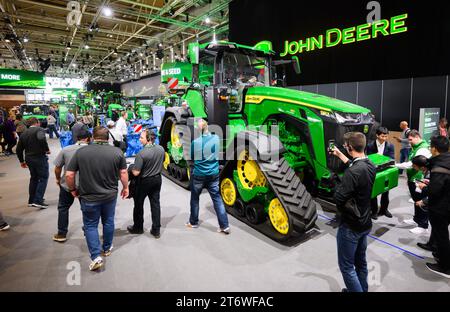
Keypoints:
pixel 410 222
pixel 225 231
pixel 411 201
pixel 96 264
pixel 107 253
pixel 418 230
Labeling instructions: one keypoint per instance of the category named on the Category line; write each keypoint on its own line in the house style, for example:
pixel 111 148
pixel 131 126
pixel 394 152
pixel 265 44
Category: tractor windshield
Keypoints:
pixel 245 70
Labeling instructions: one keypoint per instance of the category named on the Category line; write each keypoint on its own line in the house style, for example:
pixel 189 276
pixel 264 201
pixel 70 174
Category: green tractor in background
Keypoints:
pixel 143 110
pixel 232 89
pixel 39 111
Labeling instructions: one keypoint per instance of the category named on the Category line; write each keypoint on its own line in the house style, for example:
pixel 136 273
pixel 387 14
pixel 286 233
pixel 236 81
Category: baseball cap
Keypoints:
pixel 110 123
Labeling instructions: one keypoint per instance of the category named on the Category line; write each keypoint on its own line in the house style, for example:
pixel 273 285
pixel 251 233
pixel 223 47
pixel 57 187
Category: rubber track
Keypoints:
pixel 293 195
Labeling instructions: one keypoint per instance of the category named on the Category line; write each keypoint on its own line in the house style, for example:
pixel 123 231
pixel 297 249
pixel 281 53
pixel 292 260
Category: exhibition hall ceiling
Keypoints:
pixel 105 40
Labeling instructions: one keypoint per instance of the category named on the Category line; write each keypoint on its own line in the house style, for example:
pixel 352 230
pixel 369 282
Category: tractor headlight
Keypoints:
pixel 342 119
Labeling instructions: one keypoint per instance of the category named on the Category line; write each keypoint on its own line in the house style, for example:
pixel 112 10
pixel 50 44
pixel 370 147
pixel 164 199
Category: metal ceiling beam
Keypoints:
pixel 58 23
pixel 115 19
pixel 162 11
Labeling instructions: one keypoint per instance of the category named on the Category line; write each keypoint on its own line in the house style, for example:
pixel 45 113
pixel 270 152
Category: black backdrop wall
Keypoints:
pixel 103 86
pixel 393 75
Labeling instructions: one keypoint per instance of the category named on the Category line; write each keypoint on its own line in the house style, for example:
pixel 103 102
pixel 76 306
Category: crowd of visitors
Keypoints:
pixel 91 169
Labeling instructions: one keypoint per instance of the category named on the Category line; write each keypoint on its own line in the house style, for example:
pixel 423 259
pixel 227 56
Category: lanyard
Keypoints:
pixel 100 143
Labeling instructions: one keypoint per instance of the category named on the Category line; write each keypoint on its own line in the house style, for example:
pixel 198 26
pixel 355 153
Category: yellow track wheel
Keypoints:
pixel 278 216
pixel 228 192
pixel 249 173
pixel 166 160
pixel 174 137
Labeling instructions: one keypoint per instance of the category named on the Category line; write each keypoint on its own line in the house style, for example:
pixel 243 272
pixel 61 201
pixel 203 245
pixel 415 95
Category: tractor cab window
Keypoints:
pixel 241 71
pixel 206 69
pixel 27 110
pixel 245 70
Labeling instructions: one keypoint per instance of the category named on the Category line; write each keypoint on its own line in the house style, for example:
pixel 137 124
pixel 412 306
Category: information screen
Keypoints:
pixel 21 78
pixel 344 41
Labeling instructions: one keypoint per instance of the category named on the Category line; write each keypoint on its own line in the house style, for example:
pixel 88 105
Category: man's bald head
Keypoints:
pixel 404 125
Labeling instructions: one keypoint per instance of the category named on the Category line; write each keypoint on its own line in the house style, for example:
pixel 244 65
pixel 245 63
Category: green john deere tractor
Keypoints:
pixel 39 111
pixel 275 148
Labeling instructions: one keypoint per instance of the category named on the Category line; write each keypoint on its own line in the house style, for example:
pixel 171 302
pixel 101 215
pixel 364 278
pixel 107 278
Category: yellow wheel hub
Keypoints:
pixel 228 192
pixel 278 216
pixel 174 137
pixel 249 173
pixel 166 160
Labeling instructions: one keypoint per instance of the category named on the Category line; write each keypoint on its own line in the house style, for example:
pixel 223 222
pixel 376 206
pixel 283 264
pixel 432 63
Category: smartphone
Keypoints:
pixel 331 146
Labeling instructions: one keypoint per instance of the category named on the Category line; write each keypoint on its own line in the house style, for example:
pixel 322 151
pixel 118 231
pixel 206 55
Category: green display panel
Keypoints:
pixel 429 122
pixel 181 71
pixel 21 78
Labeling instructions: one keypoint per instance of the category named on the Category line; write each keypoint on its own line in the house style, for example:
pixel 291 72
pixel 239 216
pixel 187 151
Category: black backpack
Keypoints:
pixel 120 144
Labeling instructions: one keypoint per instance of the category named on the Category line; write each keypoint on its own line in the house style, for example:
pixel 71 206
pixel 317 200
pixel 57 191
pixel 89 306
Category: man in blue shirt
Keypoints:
pixel 205 153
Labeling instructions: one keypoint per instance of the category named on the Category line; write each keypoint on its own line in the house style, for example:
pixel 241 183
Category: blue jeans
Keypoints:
pixel 38 166
pixel 51 130
pixel 211 183
pixel 404 156
pixel 351 247
pixel 92 212
pixel 65 201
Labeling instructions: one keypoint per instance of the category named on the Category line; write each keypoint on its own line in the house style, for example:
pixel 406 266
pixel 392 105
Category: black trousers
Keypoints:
pixel 11 144
pixel 151 188
pixel 420 214
pixel 384 204
pixel 64 203
pixel 38 166
pixel 439 232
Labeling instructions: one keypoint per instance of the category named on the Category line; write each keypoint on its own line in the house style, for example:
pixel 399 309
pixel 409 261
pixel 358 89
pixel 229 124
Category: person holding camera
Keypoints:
pixel 352 197
pixel 420 163
pixel 147 168
pixel 439 204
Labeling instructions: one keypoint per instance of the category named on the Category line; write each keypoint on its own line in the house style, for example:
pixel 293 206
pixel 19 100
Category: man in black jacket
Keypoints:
pixel 383 147
pixel 352 198
pixel 34 143
pixel 439 203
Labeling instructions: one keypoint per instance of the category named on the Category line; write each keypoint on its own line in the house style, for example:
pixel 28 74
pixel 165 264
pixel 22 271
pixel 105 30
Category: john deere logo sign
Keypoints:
pixel 10 77
pixel 334 37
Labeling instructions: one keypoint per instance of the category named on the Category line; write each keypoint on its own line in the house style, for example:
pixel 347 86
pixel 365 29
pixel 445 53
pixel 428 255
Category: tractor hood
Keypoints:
pixel 39 117
pixel 320 102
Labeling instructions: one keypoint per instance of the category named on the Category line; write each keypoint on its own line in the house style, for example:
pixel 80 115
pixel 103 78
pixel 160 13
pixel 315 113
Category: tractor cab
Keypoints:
pixel 227 71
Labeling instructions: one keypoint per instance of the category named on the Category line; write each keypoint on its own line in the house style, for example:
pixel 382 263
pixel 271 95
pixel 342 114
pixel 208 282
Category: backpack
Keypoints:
pixel 120 144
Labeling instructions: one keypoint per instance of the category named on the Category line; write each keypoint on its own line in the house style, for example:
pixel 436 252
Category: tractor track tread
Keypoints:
pixel 292 193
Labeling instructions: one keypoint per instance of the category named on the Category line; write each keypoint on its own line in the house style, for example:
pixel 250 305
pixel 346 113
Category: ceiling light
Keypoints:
pixel 7 40
pixel 107 11
pixel 25 39
pixel 207 20
pixel 86 46
pixel 141 54
pixel 74 65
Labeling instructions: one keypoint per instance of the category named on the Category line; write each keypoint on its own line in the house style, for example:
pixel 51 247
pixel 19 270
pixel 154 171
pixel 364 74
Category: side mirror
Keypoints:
pixel 194 52
pixel 296 64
